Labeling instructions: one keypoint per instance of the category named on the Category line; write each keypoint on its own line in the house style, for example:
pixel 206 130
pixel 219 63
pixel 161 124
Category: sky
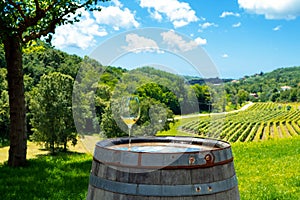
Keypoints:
pixel 208 38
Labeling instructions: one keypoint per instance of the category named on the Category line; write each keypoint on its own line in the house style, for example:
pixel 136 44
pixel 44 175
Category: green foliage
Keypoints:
pixel 242 96
pixel 154 117
pixel 103 95
pixel 31 20
pixel 22 22
pixel 202 92
pixel 40 58
pixel 167 92
pixel 111 76
pixel 4 116
pixel 109 126
pixel 88 95
pixel 157 98
pixel 161 94
pixel 51 110
pixel 4 107
pixel 173 85
pixel 3 82
pixel 267 86
pixel 2 57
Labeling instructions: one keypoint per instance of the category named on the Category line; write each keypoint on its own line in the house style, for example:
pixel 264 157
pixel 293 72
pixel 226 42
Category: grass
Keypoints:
pixel 266 170
pixel 174 126
pixel 63 176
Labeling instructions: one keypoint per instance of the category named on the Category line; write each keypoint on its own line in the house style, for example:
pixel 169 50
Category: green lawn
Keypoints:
pixel 265 170
pixel 268 169
pixel 64 176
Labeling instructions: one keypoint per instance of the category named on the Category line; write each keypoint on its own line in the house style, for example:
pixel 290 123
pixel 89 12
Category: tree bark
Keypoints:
pixel 65 146
pixel 18 136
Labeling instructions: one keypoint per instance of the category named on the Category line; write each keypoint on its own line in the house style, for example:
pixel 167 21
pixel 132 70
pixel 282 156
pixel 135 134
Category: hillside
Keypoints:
pixel 261 121
pixel 279 85
pixel 175 94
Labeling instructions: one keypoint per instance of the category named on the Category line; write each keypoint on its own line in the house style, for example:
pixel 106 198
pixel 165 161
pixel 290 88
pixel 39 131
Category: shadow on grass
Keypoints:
pixel 60 176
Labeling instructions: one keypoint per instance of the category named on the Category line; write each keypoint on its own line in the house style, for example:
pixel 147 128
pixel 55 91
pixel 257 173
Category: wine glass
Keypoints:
pixel 130 112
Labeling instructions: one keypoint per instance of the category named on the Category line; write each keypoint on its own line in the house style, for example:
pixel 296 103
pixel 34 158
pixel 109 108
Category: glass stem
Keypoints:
pixel 129 133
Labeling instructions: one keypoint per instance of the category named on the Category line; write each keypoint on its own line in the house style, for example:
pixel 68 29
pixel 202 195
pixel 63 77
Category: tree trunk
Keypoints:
pixel 18 137
pixel 65 146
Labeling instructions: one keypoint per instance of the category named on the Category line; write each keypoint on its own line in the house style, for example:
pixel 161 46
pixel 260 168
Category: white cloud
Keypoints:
pixel 80 35
pixel 155 15
pixel 277 28
pixel 177 43
pixel 117 3
pixel 138 44
pixel 116 16
pixel 236 25
pixel 207 24
pixel 225 55
pixel 284 9
pixel 202 18
pixel 179 13
pixel 200 41
pixel 225 14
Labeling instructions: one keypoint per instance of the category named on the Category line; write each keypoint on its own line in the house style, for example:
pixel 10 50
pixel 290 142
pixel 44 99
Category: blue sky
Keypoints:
pixel 240 37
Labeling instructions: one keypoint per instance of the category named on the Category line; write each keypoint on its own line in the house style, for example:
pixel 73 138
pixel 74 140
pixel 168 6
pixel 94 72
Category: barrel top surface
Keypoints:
pixel 193 144
pixel 201 152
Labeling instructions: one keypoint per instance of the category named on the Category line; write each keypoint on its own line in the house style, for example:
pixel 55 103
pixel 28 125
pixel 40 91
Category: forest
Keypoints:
pixel 66 95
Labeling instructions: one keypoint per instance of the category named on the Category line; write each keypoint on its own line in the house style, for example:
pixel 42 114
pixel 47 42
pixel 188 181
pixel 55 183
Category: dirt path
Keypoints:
pixel 210 114
pixel 265 135
pixel 280 134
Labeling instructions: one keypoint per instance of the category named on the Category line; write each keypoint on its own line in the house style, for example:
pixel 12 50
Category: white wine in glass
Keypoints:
pixel 130 112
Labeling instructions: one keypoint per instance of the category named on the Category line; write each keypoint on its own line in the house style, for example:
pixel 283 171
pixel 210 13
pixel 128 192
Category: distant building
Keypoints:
pixel 286 88
pixel 253 95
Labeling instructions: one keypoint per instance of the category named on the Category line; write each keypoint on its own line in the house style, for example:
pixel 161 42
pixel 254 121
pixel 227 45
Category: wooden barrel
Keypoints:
pixel 204 173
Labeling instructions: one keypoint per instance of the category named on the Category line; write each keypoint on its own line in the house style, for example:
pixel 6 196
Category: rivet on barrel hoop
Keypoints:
pixel 192 160
pixel 198 189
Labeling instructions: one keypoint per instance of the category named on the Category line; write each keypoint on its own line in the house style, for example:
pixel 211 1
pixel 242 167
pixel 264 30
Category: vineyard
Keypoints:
pixel 261 121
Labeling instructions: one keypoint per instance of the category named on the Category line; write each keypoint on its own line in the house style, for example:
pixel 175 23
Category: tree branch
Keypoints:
pixel 56 19
pixel 49 29
pixel 37 7
pixel 52 25
pixel 39 14
pixel 18 7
